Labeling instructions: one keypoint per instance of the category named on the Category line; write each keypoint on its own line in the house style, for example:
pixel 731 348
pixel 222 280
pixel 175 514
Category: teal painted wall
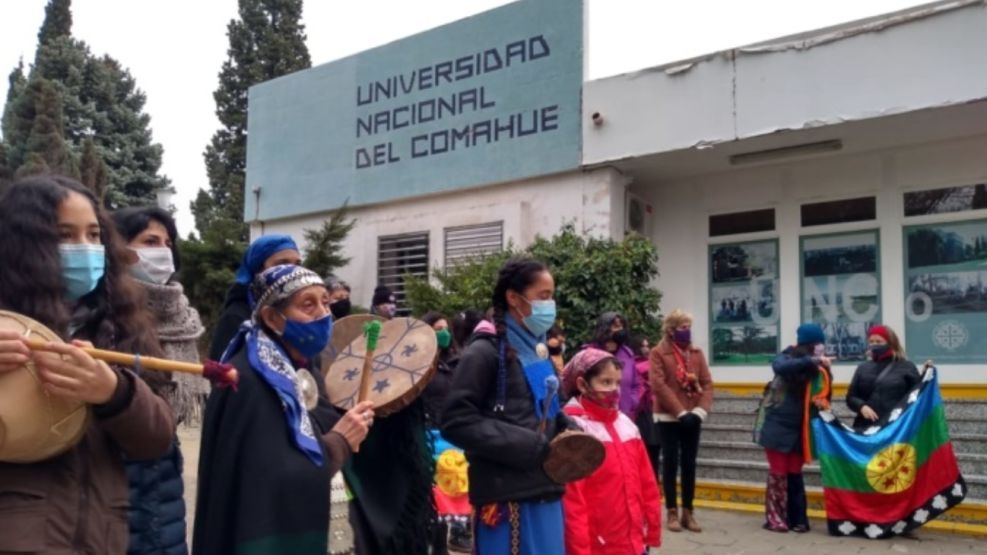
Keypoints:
pixel 491 98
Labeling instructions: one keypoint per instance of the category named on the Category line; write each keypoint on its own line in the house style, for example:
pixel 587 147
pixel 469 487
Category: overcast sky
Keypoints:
pixel 175 48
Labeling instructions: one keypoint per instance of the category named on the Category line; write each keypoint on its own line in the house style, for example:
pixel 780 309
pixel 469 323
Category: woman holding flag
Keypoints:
pixel 801 385
pixel 880 384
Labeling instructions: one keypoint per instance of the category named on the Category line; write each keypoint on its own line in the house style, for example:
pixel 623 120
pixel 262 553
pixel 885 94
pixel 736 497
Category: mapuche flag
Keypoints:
pixel 894 478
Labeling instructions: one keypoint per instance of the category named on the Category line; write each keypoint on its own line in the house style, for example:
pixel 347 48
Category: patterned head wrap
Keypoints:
pixel 580 364
pixel 279 283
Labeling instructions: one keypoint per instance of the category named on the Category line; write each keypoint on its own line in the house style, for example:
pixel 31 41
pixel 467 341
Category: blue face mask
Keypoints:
pixel 309 338
pixel 542 316
pixel 82 268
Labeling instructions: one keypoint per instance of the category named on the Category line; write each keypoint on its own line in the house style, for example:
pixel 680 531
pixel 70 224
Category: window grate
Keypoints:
pixel 398 256
pixel 471 241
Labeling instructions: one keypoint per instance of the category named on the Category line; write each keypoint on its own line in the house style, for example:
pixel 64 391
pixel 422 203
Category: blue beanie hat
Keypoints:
pixel 809 334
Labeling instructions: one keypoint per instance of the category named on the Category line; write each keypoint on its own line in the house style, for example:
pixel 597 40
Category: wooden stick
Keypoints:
pixel 372 332
pixel 113 357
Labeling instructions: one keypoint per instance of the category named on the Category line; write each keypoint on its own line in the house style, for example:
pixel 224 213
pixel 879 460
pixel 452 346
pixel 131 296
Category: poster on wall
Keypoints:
pixel 743 296
pixel 841 290
pixel 946 292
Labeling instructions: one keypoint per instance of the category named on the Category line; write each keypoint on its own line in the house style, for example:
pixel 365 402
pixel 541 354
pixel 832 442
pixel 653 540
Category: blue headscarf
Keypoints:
pixel 270 360
pixel 259 251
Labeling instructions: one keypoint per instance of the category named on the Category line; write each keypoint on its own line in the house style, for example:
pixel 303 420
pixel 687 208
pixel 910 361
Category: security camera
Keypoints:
pixel 597 118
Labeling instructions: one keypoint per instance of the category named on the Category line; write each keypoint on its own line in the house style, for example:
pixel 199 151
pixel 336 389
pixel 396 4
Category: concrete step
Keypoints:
pixel 957 424
pixel 975 409
pixel 755 472
pixel 970 463
pixel 963 442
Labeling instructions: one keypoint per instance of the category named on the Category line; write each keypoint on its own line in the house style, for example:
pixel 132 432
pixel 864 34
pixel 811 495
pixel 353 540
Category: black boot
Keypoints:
pixel 460 537
pixel 798 518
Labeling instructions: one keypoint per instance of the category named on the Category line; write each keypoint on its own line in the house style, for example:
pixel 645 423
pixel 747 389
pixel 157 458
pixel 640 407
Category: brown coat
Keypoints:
pixel 670 398
pixel 77 502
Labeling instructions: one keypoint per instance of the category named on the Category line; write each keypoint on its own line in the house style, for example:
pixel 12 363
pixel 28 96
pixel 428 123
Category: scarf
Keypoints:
pixel 275 368
pixel 688 381
pixel 536 368
pixel 817 390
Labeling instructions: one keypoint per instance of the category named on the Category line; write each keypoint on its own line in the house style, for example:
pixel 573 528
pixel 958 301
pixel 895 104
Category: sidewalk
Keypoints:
pixel 728 533
pixel 724 533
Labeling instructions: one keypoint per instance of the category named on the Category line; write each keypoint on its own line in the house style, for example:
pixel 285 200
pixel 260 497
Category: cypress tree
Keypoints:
pixel 267 41
pixel 324 253
pixel 58 21
pixel 45 149
pixel 100 102
pixel 92 169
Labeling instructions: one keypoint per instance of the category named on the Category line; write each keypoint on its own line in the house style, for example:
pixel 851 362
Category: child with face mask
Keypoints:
pixel 594 524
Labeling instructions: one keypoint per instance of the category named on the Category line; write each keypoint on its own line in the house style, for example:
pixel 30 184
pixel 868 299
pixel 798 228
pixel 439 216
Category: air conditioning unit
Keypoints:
pixel 638 215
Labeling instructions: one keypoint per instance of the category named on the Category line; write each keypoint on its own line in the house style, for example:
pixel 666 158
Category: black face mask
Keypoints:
pixel 340 308
pixel 619 337
pixel 555 351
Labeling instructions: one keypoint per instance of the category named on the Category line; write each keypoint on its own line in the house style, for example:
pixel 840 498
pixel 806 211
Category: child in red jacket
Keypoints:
pixel 617 509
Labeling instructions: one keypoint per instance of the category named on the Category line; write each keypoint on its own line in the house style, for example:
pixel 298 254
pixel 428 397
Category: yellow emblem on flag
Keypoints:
pixel 450 473
pixel 893 469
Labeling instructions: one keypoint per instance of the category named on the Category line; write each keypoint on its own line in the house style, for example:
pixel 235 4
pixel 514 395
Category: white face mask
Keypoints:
pixel 156 265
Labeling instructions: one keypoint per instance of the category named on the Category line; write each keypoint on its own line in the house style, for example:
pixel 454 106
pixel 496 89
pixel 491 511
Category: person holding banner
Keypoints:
pixel 801 385
pixel 879 384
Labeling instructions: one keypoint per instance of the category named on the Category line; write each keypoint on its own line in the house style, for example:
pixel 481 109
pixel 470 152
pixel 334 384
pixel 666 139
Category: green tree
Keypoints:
pixel 6 173
pixel 58 21
pixel 208 269
pixel 45 150
pixel 592 276
pixel 100 101
pixel 467 285
pixel 266 41
pixel 92 169
pixel 324 250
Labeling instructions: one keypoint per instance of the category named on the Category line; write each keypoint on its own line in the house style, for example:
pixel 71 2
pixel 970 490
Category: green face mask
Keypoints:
pixel 444 338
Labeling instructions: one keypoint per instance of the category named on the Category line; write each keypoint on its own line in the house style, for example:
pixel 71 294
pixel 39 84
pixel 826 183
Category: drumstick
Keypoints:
pixel 551 388
pixel 372 331
pixel 222 375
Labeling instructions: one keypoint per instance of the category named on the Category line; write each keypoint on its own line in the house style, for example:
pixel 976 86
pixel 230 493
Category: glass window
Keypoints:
pixel 742 222
pixel 839 211
pixel 944 201
pixel 946 292
pixel 841 290
pixel 744 309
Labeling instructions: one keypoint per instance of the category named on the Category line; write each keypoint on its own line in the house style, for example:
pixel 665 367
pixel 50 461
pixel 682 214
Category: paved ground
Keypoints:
pixel 725 533
pixel 729 533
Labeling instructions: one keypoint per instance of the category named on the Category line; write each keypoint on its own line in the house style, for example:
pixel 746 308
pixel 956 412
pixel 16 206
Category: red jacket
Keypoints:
pixel 617 509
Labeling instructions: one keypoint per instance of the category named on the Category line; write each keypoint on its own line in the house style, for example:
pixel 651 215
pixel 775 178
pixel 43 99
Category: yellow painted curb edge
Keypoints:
pixel 949 391
pixel 975 530
pixel 967 518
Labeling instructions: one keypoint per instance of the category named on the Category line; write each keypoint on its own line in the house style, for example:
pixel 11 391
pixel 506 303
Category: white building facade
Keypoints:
pixel 836 176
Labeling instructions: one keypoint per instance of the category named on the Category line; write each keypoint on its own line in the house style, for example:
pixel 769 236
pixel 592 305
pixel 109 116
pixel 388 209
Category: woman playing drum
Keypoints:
pixel 503 416
pixel 266 460
pixel 64 267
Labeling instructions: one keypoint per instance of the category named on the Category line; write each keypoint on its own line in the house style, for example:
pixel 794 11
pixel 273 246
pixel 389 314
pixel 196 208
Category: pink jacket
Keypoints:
pixel 617 509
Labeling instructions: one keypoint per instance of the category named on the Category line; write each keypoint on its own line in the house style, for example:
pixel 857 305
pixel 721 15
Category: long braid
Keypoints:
pixel 516 274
